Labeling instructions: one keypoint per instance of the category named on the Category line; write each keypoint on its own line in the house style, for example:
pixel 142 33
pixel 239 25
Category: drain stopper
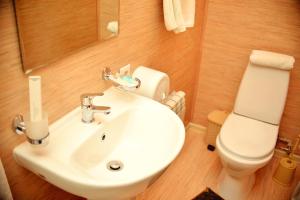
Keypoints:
pixel 114 165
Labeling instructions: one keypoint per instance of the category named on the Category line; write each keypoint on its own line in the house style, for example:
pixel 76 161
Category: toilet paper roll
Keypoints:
pixel 154 84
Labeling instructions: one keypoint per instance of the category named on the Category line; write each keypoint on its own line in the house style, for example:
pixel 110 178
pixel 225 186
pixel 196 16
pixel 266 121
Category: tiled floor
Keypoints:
pixel 196 168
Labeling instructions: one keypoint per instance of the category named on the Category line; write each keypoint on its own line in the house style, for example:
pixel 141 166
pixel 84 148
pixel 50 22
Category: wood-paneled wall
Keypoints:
pixel 143 40
pixel 233 28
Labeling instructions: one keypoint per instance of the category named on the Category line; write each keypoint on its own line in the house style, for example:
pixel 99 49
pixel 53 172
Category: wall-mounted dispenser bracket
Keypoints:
pixel 124 82
pixel 19 127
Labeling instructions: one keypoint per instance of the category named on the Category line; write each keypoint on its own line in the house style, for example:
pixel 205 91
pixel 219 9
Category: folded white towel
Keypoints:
pixel 170 21
pixel 271 59
pixel 179 14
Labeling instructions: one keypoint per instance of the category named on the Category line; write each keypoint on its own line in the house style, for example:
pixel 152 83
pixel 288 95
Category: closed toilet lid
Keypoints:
pixel 247 137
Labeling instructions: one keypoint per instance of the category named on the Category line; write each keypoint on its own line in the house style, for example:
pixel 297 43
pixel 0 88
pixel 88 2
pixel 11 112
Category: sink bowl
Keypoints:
pixel 115 157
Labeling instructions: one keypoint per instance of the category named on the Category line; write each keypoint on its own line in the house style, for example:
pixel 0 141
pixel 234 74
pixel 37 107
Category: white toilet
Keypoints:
pixel 248 136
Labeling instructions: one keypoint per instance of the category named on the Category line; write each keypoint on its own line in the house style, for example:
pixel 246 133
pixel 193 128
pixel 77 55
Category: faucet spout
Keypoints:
pixel 101 109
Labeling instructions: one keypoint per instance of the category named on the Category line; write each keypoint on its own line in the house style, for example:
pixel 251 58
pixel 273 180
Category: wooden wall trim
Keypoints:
pixel 196 81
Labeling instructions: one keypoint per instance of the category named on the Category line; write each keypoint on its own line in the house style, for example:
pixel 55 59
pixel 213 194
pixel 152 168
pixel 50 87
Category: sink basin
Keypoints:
pixel 115 157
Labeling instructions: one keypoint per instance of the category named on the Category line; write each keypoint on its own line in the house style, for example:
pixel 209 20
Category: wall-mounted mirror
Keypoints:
pixel 52 29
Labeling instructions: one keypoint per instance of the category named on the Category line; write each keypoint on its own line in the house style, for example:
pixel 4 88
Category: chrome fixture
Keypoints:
pixel 106 73
pixel 117 80
pixel 19 127
pixel 114 165
pixel 88 109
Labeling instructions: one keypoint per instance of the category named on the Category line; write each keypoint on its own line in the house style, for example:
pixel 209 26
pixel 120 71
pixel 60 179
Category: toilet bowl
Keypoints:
pixel 248 136
pixel 243 154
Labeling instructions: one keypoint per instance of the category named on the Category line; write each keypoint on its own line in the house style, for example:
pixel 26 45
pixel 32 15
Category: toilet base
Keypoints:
pixel 235 188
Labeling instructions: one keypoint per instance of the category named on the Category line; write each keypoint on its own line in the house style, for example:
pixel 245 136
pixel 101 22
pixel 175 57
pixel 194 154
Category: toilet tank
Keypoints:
pixel 263 89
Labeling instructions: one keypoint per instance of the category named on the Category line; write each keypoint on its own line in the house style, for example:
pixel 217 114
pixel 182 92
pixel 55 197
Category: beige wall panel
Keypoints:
pixel 233 28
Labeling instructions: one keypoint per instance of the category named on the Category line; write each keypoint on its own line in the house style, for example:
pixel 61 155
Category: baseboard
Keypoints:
pixel 196 127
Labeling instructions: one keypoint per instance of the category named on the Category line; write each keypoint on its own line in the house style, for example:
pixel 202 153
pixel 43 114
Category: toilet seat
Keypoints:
pixel 248 138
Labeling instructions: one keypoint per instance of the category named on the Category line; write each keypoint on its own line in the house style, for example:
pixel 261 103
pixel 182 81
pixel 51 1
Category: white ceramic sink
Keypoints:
pixel 145 136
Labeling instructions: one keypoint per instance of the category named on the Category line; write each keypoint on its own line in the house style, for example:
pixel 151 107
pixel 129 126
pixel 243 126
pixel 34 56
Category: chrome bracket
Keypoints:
pixel 106 73
pixel 108 76
pixel 19 127
pixel 42 141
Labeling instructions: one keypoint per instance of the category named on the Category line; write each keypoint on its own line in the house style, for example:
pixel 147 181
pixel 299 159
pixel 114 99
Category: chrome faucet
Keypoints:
pixel 88 109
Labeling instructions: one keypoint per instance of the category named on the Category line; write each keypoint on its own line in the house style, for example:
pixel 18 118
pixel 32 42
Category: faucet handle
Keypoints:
pixel 86 99
pixel 92 94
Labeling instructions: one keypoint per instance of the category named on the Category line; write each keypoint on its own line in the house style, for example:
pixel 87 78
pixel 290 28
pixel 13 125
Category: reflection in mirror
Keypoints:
pixel 52 29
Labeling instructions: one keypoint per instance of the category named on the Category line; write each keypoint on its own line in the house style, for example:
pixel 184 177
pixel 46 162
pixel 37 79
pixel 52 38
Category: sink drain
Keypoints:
pixel 114 165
